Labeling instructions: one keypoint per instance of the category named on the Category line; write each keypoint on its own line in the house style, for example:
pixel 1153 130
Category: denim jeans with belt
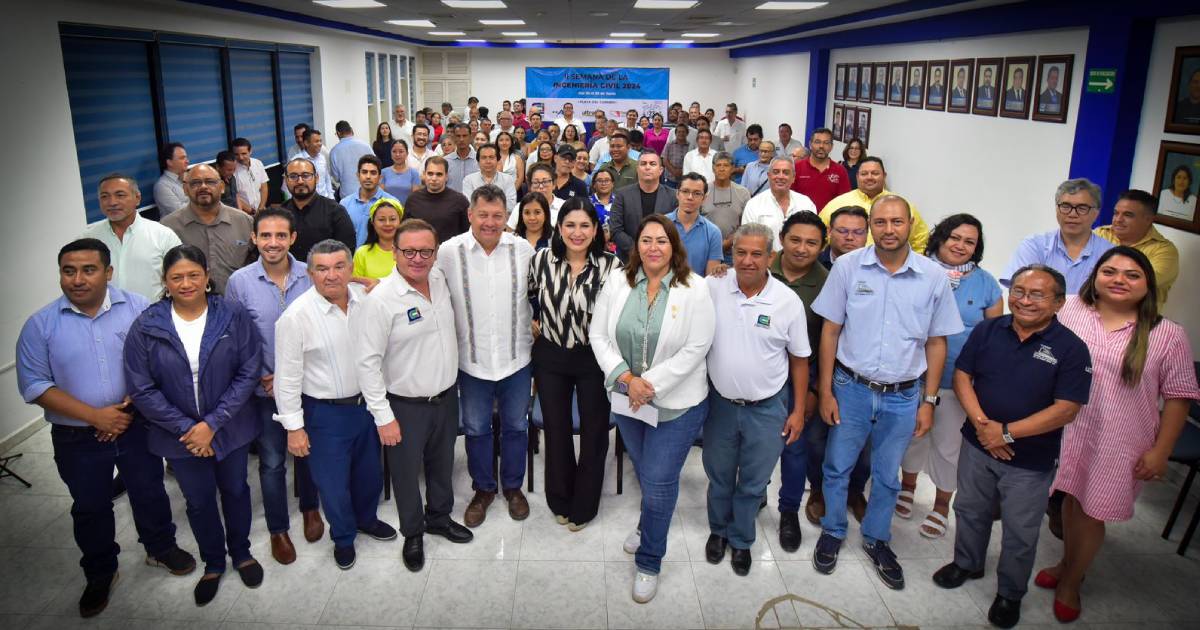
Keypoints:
pixel 886 420
pixel 805 457
pixel 476 400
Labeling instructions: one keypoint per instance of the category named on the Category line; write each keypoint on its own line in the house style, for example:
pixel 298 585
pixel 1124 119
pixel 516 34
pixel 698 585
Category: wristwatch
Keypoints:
pixel 934 400
pixel 622 387
pixel 1008 438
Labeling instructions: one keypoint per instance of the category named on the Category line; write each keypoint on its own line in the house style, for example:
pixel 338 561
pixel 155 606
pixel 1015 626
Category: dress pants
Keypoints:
pixel 428 431
pixel 572 485
pixel 1022 494
pixel 344 460
pixel 200 479
pixel 85 465
pixel 510 395
pixel 272 471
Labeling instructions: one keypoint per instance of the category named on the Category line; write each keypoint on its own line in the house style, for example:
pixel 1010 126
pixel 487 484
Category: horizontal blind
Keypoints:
pixel 194 100
pixel 254 102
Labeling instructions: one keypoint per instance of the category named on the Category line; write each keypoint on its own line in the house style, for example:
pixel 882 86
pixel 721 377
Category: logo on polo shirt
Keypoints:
pixel 1044 354
pixel 414 315
pixel 764 321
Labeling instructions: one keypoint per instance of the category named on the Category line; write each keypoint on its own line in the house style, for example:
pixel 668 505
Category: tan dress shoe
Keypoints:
pixel 314 527
pixel 477 508
pixel 282 548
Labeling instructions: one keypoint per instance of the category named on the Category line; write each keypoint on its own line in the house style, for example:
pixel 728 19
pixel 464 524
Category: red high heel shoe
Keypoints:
pixel 1064 613
pixel 1045 580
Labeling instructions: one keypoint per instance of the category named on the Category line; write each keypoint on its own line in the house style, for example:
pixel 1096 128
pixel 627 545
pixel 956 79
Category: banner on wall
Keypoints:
pixel 613 90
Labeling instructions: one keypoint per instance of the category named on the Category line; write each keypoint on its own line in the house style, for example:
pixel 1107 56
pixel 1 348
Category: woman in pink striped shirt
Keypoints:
pixel 1120 439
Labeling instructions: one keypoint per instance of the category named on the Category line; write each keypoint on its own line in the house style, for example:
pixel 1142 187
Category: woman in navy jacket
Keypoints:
pixel 192 361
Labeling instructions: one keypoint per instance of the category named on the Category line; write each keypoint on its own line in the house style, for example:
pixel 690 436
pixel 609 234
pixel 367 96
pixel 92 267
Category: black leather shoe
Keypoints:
pixel 206 589
pixel 344 557
pixel 95 596
pixel 414 553
pixel 714 549
pixel 251 574
pixel 953 576
pixel 740 560
pixel 1005 613
pixel 379 531
pixel 789 531
pixel 451 531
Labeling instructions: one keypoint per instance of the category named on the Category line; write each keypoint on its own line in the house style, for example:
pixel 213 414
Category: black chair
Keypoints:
pixel 1187 452
pixel 535 429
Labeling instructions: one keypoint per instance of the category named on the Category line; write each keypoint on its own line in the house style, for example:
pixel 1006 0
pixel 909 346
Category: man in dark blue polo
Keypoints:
pixel 1020 378
pixel 70 363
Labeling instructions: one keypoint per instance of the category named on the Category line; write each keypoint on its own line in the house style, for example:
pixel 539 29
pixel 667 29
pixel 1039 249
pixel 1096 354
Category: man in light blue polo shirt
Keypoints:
pixel 747 153
pixel 343 159
pixel 701 237
pixel 1072 249
pixel 358 205
pixel 887 313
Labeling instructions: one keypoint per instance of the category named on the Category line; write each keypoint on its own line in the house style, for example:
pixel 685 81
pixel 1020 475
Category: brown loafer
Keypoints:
pixel 282 548
pixel 858 506
pixel 518 506
pixel 477 508
pixel 314 527
pixel 814 510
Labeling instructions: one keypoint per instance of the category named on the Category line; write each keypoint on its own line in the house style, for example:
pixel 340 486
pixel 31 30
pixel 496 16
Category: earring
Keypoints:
pixel 208 288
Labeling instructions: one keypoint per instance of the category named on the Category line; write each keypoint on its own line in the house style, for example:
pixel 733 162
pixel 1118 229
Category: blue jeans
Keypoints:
pixel 272 471
pixel 510 396
pixel 344 459
pixel 806 457
pixel 201 479
pixel 86 466
pixel 658 454
pixel 887 422
pixel 741 446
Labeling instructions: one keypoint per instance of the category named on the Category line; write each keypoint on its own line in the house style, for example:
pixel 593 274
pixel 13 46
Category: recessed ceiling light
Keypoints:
pixel 790 6
pixel 475 4
pixel 416 23
pixel 471 41
pixel 529 41
pixel 618 41
pixel 598 14
pixel 446 33
pixel 350 4
pixel 665 4
pixel 677 41
pixel 626 34
pixel 519 33
pixel 502 22
pixel 698 35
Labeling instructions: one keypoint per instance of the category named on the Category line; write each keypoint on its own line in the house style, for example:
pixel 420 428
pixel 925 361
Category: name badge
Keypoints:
pixel 764 321
pixel 862 288
pixel 414 315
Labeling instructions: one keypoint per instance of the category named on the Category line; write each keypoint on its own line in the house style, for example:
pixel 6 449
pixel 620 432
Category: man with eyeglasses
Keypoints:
pixel 221 232
pixel 317 217
pixel 818 177
pixel 773 206
pixel 700 237
pixel 754 177
pixel 541 181
pixel 725 202
pixel 1073 248
pixel 847 232
pixel 415 403
pixel 444 209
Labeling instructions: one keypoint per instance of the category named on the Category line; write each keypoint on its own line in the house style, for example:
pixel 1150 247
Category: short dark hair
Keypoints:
pixel 853 211
pixel 343 127
pixel 1148 201
pixel 240 142
pixel 437 160
pixel 582 204
pixel 415 225
pixel 789 127
pixel 941 233
pixel 489 193
pixel 755 129
pixel 225 156
pixel 872 158
pixel 168 152
pixel 370 159
pixel 822 130
pixel 636 137
pixel 703 131
pixel 1060 283
pixel 309 133
pixel 694 177
pixel 87 245
pixel 275 212
pixel 803 218
pixel 299 126
pixel 488 145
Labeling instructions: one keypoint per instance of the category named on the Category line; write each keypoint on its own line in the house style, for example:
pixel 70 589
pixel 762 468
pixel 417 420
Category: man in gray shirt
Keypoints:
pixel 725 201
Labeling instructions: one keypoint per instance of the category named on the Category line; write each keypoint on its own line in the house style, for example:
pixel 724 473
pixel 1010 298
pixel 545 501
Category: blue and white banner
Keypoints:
pixel 613 90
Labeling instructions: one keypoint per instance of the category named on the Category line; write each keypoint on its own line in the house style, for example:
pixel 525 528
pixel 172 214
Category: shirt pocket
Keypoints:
pixel 913 320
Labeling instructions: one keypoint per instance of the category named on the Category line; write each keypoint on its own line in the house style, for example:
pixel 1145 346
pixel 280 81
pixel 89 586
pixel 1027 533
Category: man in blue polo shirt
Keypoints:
pixel 1072 249
pixel 1020 378
pixel 747 153
pixel 701 237
pixel 887 313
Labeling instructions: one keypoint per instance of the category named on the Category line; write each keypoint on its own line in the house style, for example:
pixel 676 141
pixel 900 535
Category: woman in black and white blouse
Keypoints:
pixel 564 280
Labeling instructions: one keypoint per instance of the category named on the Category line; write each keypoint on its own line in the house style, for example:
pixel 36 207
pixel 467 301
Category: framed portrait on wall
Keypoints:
pixel 863 127
pixel 852 82
pixel 839 82
pixel 839 114
pixel 935 91
pixel 986 99
pixel 849 123
pixel 898 72
pixel 914 96
pixel 1183 109
pixel 962 72
pixel 1014 101
pixel 1053 88
pixel 1176 183
pixel 879 94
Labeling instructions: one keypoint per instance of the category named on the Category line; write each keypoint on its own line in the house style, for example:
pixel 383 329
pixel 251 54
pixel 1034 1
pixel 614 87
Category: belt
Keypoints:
pixel 876 386
pixel 423 400
pixel 349 401
pixel 742 402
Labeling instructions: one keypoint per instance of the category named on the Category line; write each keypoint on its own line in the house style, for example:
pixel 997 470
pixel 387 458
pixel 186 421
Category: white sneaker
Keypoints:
pixel 644 587
pixel 632 542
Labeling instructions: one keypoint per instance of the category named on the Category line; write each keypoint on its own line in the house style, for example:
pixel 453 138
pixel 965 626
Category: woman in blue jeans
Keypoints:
pixel 651 329
pixel 192 361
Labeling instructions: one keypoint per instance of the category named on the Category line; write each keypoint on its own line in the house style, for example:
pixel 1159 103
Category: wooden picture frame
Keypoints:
pixel 839 82
pixel 1014 92
pixel 866 81
pixel 959 80
pixel 862 127
pixel 1052 92
pixel 897 76
pixel 1174 157
pixel 914 91
pixel 985 89
pixel 852 82
pixel 936 85
pixel 849 123
pixel 879 94
pixel 839 115
pixel 1183 106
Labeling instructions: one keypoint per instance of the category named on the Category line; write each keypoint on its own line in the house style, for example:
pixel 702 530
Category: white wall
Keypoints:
pixel 43 199
pixel 1004 171
pixel 773 90
pixel 1184 303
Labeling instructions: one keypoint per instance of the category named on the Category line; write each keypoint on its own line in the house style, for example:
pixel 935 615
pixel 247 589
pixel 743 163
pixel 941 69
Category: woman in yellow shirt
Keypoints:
pixel 374 259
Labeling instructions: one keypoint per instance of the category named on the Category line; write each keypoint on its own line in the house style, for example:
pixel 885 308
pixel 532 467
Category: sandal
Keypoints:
pixel 904 503
pixel 937 523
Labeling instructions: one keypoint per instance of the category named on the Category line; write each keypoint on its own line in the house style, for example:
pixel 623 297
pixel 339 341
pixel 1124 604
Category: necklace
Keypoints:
pixel 646 331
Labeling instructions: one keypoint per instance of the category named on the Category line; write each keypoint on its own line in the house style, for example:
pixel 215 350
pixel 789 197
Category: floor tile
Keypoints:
pixel 847 592
pixel 296 593
pixel 560 594
pixel 376 592
pixel 550 541
pixel 32 578
pixel 677 605
pixel 732 601
pixel 469 594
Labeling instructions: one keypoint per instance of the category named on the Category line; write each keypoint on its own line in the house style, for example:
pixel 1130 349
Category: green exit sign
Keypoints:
pixel 1101 80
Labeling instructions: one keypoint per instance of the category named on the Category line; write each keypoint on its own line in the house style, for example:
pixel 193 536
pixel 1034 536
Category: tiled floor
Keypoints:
pixel 536 574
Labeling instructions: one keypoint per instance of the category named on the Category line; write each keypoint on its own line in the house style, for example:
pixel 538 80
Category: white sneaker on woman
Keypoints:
pixel 632 542
pixel 645 586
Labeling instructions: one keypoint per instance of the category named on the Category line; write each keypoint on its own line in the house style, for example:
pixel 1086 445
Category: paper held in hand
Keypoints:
pixel 645 413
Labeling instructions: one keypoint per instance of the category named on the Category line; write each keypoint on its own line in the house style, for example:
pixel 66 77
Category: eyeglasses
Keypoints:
pixel 1081 209
pixel 848 231
pixel 693 194
pixel 1032 296
pixel 291 177
pixel 538 183
pixel 410 254
pixel 196 183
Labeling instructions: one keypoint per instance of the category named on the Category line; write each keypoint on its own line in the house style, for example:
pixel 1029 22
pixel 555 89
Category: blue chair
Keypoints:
pixel 1187 452
pixel 537 424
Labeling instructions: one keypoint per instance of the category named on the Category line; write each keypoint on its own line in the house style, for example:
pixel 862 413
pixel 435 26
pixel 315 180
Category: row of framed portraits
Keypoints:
pixel 850 122
pixel 1005 86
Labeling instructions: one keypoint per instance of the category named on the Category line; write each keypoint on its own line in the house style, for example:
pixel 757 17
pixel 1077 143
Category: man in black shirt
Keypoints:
pixel 317 217
pixel 443 208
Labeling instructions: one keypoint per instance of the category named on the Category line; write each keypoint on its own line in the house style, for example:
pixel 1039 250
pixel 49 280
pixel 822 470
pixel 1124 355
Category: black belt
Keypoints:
pixel 423 400
pixel 876 386
pixel 349 401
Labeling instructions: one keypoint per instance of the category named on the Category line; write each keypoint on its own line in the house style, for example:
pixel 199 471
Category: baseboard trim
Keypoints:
pixel 20 435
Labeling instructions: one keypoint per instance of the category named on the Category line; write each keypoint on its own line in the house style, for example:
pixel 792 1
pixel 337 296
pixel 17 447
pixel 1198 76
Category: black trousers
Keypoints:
pixel 572 485
pixel 428 432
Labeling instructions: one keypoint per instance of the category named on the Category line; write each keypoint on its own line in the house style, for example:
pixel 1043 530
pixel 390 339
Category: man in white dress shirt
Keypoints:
pixel 321 405
pixel 488 156
pixel 699 160
pixel 731 130
pixel 251 175
pixel 415 402
pixel 487 270
pixel 402 127
pixel 773 206
pixel 568 118
pixel 137 244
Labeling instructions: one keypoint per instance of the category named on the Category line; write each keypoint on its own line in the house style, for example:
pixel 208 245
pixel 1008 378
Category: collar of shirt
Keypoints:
pixel 871 258
pixel 764 296
pixel 674 217
pixel 641 277
pixel 174 177
pixel 222 215
pixel 295 271
pixel 1059 245
pixel 328 307
pixel 1007 323
pixel 506 240
pixel 66 305
pixel 811 278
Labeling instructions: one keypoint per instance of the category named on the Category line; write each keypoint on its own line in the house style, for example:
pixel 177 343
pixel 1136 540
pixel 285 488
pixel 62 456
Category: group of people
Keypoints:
pixel 814 322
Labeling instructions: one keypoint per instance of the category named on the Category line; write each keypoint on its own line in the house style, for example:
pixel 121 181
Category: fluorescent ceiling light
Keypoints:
pixel 698 35
pixel 446 33
pixel 790 6
pixel 529 41
pixel 618 41
pixel 626 34
pixel 416 23
pixel 664 4
pixel 519 33
pixel 474 4
pixel 502 22
pixel 677 41
pixel 471 41
pixel 350 4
